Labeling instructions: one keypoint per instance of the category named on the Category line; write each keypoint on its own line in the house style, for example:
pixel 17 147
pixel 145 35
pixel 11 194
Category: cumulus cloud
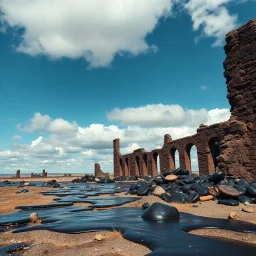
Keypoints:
pixel 37 123
pixel 213 17
pixel 99 30
pixel 95 30
pixel 78 147
pixel 159 115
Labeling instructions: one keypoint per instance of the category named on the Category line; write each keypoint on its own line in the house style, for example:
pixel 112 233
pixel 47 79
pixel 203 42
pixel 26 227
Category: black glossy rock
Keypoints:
pixel 251 190
pixel 201 190
pixel 24 191
pixel 182 177
pixel 165 197
pixel 168 172
pixel 244 199
pixel 217 177
pixel 149 193
pixel 193 197
pixel 159 180
pixel 177 198
pixel 161 212
pixel 142 190
pixel 145 205
pixel 181 183
pixel 190 179
pixel 243 183
pixel 241 190
pixel 181 171
pixel 186 188
pixel 230 202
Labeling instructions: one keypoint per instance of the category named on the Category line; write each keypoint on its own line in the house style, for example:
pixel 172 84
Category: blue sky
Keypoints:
pixel 93 71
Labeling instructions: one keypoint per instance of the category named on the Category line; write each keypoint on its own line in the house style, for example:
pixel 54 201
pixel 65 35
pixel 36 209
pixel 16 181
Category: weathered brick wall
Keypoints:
pixel 236 137
pixel 239 146
pixel 97 170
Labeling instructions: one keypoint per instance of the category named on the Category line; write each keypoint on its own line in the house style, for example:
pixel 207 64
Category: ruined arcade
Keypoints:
pixel 228 146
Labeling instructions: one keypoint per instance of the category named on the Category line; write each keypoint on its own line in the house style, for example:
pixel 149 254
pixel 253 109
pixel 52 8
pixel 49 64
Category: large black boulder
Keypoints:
pixel 160 212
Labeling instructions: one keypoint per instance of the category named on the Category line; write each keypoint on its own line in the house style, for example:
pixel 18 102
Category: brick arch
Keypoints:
pixel 171 157
pixel 187 155
pixel 154 162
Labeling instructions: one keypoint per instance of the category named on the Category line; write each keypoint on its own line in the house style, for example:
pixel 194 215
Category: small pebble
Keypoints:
pixel 247 209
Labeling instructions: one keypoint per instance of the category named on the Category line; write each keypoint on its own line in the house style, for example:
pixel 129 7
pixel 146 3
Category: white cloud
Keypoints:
pixel 99 30
pixel 203 87
pixel 162 116
pixel 213 17
pixel 37 123
pixel 93 29
pixel 77 148
pixel 16 137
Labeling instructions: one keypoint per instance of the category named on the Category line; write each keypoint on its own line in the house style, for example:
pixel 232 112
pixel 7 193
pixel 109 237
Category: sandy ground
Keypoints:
pixel 59 178
pixel 112 244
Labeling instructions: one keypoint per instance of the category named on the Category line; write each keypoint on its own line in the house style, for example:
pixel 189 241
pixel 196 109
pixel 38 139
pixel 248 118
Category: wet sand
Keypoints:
pixel 112 243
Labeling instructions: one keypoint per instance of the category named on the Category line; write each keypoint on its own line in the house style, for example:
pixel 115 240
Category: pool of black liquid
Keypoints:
pixel 162 237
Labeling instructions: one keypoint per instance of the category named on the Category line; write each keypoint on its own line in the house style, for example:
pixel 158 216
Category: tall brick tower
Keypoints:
pixel 239 145
pixel 116 154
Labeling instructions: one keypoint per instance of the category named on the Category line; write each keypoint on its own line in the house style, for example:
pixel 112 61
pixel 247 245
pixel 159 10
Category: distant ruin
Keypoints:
pixel 35 175
pixel 228 146
pixel 17 174
pixel 97 170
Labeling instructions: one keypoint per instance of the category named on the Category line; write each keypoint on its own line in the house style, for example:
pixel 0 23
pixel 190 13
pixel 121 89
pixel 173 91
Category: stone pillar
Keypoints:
pixel 97 170
pixel 237 149
pixel 18 174
pixel 116 157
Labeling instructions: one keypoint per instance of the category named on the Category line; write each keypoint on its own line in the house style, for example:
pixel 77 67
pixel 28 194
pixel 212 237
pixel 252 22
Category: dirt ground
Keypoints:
pixel 112 243
pixel 59 178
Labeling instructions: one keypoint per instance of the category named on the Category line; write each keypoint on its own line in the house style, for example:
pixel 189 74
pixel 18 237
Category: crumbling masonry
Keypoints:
pixel 231 145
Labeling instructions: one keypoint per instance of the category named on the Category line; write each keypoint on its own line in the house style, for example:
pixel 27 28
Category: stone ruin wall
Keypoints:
pixel 236 137
pixel 35 175
pixel 97 171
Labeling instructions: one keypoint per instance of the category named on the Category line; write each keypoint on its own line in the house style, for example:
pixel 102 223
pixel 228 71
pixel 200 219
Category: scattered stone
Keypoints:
pixel 233 216
pixel 247 209
pixel 245 199
pixel 33 217
pixel 171 177
pixel 213 191
pixel 230 202
pixel 160 212
pixel 206 198
pixel 228 191
pixel 145 205
pixel 158 191
pixel 98 237
pixel 142 190
pixel 193 197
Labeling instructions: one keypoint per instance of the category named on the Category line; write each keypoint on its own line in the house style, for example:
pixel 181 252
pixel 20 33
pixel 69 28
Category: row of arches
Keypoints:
pixel 190 154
